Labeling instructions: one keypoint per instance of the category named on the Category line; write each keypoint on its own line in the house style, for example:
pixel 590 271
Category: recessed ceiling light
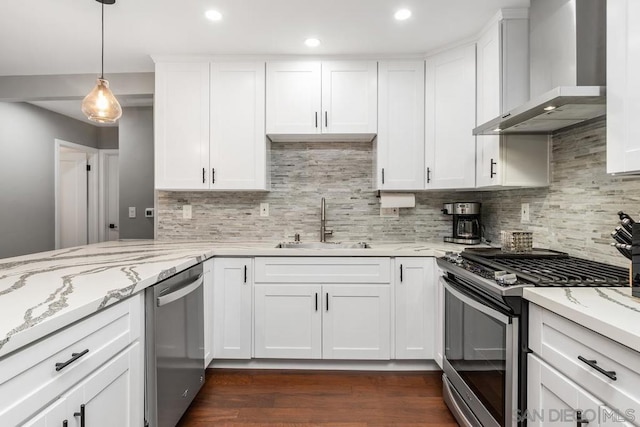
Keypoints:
pixel 312 42
pixel 402 14
pixel 213 15
pixel 549 108
pixel 497 130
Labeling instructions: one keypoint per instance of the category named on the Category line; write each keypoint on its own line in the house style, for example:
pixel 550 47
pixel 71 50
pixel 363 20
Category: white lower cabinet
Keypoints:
pixel 288 321
pixel 322 308
pixel 574 368
pixel 94 367
pixel 555 400
pixel 356 322
pixel 438 342
pixel 322 321
pixel 232 295
pixel 415 308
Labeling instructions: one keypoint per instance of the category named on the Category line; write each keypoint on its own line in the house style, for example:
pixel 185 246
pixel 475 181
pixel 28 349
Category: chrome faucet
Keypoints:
pixel 323 229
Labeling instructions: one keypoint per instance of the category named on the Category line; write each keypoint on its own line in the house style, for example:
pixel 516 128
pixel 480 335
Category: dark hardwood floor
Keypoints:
pixel 319 398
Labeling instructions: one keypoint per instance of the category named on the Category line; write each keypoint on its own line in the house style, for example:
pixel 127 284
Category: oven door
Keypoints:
pixel 480 358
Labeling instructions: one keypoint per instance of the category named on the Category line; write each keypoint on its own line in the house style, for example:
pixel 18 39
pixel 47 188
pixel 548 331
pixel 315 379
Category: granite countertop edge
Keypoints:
pixel 611 312
pixel 44 292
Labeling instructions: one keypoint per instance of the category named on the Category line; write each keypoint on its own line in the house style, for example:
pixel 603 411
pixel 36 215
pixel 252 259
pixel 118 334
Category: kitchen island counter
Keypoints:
pixel 612 312
pixel 44 292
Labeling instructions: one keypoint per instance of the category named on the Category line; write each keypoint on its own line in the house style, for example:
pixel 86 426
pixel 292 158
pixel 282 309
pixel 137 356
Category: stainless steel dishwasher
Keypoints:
pixel 174 346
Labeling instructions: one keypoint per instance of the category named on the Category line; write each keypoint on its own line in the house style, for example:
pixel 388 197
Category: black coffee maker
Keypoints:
pixel 466 222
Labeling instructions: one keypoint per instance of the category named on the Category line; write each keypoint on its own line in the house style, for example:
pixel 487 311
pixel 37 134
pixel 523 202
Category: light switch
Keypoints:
pixel 132 211
pixel 264 209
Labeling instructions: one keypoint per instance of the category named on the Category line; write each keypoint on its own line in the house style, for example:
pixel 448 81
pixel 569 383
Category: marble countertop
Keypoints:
pixel 612 312
pixel 43 292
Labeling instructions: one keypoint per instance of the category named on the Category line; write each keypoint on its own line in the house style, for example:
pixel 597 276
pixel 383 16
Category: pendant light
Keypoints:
pixel 100 105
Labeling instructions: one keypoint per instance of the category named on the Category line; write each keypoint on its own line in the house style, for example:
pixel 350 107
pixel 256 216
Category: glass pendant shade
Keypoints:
pixel 100 105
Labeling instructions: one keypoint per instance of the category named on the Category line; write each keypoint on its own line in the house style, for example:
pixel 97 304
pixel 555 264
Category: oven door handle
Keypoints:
pixel 181 292
pixel 476 304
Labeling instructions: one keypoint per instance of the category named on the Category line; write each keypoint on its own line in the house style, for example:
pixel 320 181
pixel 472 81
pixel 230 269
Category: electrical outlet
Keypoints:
pixel 148 213
pixel 524 212
pixel 132 211
pixel 186 212
pixel 264 209
pixel 390 212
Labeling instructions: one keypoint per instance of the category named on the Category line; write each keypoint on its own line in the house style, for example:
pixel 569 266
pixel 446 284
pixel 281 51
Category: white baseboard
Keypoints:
pixel 334 365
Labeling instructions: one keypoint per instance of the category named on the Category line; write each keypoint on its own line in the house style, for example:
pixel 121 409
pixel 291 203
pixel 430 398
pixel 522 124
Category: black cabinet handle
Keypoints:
pixel 213 175
pixel 326 119
pixel 74 357
pixel 203 177
pixel 316 301
pixel 492 173
pixel 383 175
pixel 80 414
pixel 327 301
pixel 316 119
pixel 579 420
pixel 594 365
pixel 245 274
pixel 428 175
pixel 400 273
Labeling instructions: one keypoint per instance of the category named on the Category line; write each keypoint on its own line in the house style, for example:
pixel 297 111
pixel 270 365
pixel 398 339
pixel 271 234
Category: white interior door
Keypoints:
pixel 72 206
pixel 111 195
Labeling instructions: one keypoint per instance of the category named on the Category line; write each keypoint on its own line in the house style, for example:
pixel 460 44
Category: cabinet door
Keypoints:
pixel 356 322
pixel 207 291
pixel 623 86
pixel 553 400
pixel 288 321
pixel 415 304
pixel 293 97
pixel 182 126
pixel 450 118
pixel 232 284
pixel 52 416
pixel 400 142
pixel 238 148
pixel 349 97
pixel 112 396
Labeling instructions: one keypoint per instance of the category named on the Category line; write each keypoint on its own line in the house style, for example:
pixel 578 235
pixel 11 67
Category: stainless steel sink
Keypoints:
pixel 322 245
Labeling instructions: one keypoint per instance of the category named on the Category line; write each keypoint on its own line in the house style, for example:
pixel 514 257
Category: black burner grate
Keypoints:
pixel 565 271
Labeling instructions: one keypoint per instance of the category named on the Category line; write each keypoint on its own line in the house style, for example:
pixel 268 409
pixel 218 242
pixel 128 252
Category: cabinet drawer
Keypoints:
pixel 561 342
pixel 29 379
pixel 323 270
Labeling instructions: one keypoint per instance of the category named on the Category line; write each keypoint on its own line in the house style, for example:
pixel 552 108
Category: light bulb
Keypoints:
pixel 101 105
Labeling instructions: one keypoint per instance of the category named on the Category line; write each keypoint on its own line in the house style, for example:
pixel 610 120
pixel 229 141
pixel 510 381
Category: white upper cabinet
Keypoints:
pixel 450 116
pixel 400 142
pixel 181 126
pixel 350 97
pixel 209 126
pixel 238 149
pixel 293 97
pixel 503 84
pixel 623 86
pixel 307 98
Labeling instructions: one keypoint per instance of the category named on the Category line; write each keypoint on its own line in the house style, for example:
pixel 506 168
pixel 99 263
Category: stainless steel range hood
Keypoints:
pixel 567 45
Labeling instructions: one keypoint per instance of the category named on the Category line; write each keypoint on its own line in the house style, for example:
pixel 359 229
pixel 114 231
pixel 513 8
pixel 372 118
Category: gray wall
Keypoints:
pixel 108 138
pixel 27 202
pixel 136 171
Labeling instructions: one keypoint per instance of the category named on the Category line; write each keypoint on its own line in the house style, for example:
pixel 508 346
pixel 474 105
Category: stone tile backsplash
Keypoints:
pixel 575 214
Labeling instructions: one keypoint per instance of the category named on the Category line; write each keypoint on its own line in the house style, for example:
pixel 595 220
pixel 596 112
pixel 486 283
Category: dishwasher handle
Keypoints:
pixel 180 292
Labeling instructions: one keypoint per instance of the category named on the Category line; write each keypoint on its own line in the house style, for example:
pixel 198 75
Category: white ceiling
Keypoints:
pixel 63 36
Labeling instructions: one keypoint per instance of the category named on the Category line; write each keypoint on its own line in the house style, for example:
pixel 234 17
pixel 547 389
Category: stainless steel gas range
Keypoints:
pixel 486 325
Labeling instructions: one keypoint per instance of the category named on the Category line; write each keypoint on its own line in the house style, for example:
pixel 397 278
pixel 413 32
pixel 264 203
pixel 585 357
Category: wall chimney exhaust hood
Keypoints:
pixel 567 64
